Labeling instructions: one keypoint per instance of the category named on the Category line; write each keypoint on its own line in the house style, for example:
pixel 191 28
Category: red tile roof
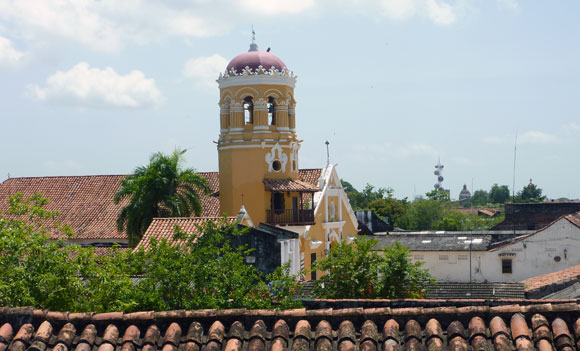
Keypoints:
pixel 211 203
pixel 574 218
pixel 568 274
pixel 86 202
pixel 387 325
pixel 289 185
pixel 310 175
pixel 164 228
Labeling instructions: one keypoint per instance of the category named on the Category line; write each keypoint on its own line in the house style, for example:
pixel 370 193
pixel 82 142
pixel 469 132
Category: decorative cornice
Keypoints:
pixel 257 76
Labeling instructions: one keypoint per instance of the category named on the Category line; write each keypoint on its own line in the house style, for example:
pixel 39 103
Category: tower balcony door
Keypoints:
pixel 296 215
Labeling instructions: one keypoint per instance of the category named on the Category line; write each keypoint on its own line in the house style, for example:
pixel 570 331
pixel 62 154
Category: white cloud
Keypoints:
pixel 532 137
pixel 277 7
pixel 93 87
pixel 9 56
pixel 398 9
pixel 205 70
pixel 108 24
pixel 439 12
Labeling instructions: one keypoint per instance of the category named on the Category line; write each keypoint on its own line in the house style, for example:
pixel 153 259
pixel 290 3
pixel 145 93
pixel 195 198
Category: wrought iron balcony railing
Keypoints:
pixel 290 217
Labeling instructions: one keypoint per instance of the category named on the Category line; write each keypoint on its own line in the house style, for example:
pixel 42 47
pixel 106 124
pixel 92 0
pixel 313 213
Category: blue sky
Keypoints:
pixel 96 87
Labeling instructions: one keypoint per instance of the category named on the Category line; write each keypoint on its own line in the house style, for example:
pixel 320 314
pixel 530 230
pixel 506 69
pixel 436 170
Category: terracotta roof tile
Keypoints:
pixel 164 228
pixel 289 185
pixel 241 329
pixel 571 274
pixel 574 218
pixel 86 203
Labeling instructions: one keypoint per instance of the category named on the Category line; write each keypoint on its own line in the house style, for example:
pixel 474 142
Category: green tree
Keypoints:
pixel 400 277
pixel 380 200
pixel 160 189
pixel 439 195
pixel 422 215
pixel 499 194
pixel 360 200
pixel 389 207
pixel 356 271
pixel 202 271
pixel 530 193
pixel 43 273
pixel 479 198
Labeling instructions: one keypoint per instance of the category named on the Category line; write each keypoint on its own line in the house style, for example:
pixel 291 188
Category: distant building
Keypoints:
pixel 496 256
pixel 532 216
pixel 370 224
pixel 464 195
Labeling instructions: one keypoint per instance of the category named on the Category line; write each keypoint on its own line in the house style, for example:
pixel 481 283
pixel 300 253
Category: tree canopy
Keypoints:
pixel 205 271
pixel 356 271
pixel 530 193
pixel 160 189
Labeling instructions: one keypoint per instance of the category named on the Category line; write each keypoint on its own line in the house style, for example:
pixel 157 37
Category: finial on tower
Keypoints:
pixel 327 153
pixel 253 45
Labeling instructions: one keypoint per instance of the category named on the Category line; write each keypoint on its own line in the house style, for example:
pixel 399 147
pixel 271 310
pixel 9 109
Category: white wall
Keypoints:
pixel 531 257
pixel 290 251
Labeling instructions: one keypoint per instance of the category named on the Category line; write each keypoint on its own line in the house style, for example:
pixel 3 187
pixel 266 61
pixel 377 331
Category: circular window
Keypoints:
pixel 557 258
pixel 276 165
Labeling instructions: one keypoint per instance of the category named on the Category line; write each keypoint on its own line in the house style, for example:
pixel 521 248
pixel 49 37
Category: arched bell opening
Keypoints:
pixel 271 113
pixel 248 110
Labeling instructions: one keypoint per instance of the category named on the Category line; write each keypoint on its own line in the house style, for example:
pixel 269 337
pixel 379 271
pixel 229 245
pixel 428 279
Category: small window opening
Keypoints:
pixel 278 204
pixel 506 266
pixel 271 115
pixel 276 165
pixel 248 110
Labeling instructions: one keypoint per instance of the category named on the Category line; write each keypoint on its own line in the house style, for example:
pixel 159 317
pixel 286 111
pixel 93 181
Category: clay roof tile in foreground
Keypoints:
pixel 434 325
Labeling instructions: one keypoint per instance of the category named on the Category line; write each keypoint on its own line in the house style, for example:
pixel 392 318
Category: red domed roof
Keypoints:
pixel 255 58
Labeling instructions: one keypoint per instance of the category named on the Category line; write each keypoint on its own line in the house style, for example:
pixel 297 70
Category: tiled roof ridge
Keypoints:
pixel 118 175
pixel 70 176
pixel 192 218
pixel 568 275
pixel 542 327
pixel 574 218
pixel 407 307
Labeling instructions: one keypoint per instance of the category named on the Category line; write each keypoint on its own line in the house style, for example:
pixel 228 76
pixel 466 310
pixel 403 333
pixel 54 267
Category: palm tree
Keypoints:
pixel 160 189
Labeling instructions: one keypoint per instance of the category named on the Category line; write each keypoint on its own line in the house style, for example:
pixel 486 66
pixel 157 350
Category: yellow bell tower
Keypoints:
pixel 258 146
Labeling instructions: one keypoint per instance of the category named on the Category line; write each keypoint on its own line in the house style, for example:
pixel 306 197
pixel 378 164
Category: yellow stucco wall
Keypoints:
pixel 243 148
